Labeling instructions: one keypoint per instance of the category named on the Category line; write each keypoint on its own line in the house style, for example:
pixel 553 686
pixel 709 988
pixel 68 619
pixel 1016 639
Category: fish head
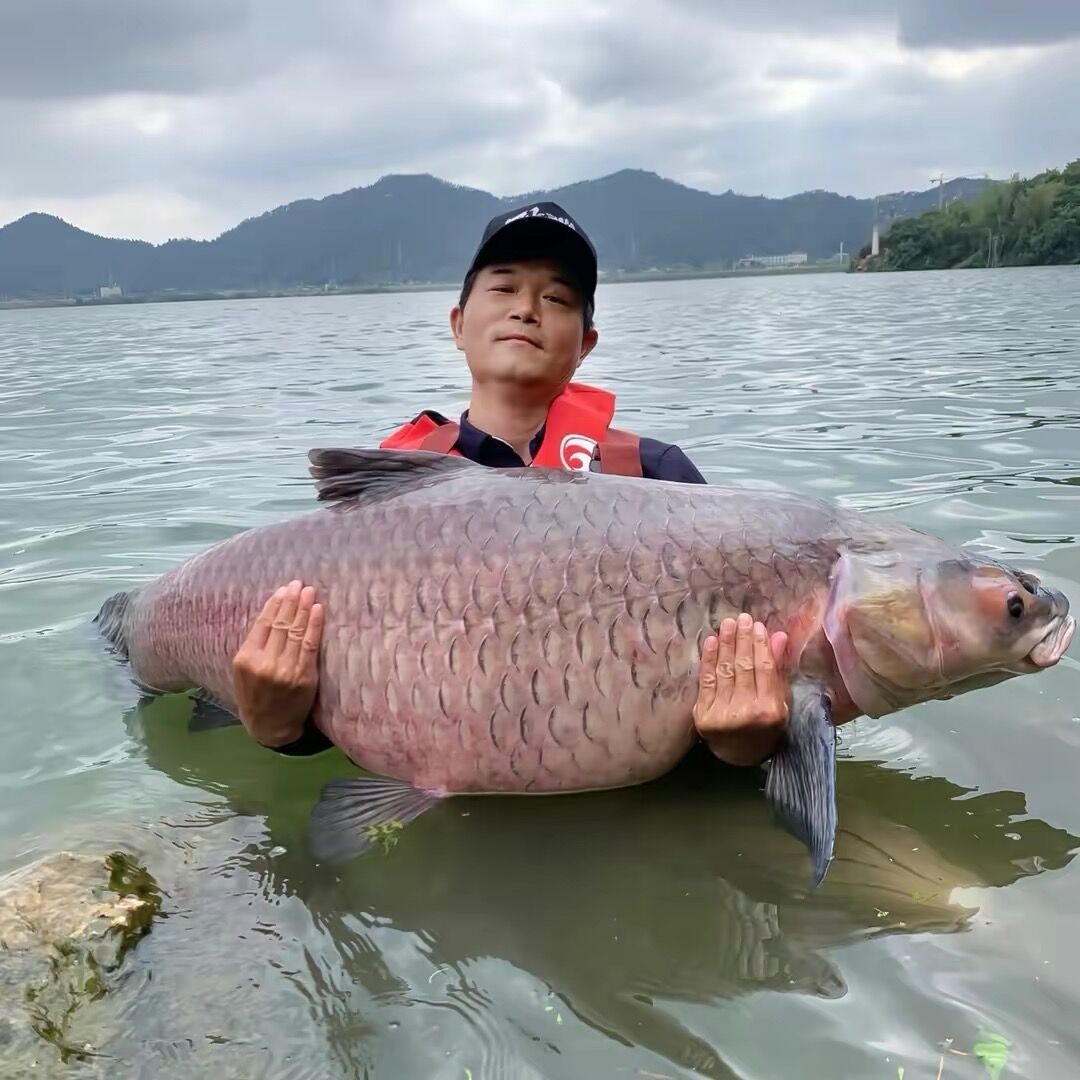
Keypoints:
pixel 913 625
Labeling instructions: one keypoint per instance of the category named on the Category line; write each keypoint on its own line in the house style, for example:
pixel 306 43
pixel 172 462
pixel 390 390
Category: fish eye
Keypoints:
pixel 1015 605
pixel 1029 585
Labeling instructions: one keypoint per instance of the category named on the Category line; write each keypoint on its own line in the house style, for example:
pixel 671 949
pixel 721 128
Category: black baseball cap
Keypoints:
pixel 540 230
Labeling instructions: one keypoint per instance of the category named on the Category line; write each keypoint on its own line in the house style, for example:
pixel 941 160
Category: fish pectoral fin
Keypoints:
pixel 355 814
pixel 209 713
pixel 344 474
pixel 801 784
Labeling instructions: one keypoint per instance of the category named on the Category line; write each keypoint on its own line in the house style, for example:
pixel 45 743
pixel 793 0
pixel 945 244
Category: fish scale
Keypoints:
pixel 538 631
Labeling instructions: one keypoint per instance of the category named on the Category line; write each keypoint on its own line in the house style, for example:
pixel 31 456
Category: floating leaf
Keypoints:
pixel 992 1050
pixel 384 833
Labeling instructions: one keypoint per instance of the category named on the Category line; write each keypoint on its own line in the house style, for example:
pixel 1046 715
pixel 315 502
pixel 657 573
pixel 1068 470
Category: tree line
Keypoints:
pixel 1019 222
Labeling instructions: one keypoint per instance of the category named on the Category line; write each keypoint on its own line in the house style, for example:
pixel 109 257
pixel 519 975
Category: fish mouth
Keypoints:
pixel 1052 647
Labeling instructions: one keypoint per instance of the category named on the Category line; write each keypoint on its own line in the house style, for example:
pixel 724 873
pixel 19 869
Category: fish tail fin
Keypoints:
pixel 111 621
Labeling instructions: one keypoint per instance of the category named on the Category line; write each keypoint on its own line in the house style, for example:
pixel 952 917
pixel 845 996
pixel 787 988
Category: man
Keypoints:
pixel 524 321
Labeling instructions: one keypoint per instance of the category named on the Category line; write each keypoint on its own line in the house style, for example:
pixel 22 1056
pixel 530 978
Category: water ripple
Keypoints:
pixel 600 937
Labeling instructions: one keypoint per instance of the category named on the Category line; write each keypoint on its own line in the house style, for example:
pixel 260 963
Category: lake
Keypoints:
pixel 661 932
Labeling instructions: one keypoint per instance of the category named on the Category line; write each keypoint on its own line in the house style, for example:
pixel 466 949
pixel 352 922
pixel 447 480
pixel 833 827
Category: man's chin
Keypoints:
pixel 519 368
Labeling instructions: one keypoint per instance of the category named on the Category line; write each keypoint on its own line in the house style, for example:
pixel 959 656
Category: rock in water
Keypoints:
pixel 66 923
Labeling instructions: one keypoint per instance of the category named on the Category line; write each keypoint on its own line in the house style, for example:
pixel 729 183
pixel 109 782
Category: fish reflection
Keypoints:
pixel 621 903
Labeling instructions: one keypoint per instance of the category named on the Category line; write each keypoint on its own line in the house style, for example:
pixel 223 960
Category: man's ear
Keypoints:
pixel 588 343
pixel 457 317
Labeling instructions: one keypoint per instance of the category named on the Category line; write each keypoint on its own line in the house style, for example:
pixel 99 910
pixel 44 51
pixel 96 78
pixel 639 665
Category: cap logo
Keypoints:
pixel 576 452
pixel 536 212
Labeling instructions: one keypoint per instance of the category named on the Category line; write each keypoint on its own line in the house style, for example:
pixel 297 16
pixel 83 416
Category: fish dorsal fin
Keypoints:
pixel 344 474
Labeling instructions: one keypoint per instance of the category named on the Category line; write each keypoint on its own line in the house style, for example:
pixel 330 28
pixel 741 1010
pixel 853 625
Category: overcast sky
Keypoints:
pixel 152 119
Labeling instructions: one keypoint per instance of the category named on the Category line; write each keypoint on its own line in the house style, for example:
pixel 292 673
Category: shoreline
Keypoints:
pixel 616 278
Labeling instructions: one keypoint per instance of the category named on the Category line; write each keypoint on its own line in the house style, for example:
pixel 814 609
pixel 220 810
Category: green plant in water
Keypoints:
pixel 74 977
pixel 129 878
pixel 992 1050
pixel 385 834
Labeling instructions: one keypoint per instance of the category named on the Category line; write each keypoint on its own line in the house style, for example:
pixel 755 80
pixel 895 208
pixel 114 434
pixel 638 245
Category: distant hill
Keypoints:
pixel 40 254
pixel 905 204
pixel 418 229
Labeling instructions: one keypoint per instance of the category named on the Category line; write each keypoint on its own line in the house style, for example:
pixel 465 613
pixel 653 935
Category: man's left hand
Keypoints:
pixel 742 704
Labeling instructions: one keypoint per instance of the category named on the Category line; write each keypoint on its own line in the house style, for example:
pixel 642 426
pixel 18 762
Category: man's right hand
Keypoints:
pixel 276 671
pixel 743 700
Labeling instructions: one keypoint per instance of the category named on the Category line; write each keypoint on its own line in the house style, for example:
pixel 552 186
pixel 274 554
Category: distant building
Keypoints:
pixel 109 292
pixel 793 258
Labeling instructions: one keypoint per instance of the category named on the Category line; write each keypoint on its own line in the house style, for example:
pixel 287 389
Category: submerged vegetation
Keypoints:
pixel 1014 223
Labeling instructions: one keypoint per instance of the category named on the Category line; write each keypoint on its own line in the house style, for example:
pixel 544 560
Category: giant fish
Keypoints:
pixel 538 631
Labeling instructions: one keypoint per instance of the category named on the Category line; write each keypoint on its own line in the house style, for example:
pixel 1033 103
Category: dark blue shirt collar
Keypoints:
pixel 485 449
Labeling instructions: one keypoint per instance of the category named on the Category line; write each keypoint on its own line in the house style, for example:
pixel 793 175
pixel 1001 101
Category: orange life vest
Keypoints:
pixel 578 426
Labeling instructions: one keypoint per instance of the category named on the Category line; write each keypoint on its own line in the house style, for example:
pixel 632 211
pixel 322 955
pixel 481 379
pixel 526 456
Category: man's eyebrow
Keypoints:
pixel 556 279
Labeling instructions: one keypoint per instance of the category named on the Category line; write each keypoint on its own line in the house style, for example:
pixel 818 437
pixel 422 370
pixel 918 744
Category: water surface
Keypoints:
pixel 660 932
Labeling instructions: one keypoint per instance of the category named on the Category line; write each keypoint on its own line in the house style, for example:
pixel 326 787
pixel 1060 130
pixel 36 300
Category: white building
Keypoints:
pixel 793 258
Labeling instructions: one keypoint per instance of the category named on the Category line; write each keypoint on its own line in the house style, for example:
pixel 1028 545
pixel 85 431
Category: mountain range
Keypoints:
pixel 413 229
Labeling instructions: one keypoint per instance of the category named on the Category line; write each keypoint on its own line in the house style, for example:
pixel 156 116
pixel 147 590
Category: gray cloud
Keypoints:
pixel 56 49
pixel 958 24
pixel 612 61
pixel 825 17
pixel 150 120
pixel 971 24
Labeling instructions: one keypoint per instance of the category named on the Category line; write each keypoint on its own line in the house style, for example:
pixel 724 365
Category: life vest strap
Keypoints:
pixel 442 440
pixel 620 453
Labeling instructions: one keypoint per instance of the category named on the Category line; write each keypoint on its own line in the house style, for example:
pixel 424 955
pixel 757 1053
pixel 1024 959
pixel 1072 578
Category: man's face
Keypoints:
pixel 522 324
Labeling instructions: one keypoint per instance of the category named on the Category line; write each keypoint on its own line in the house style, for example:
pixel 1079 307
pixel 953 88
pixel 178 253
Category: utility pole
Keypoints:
pixel 940 179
